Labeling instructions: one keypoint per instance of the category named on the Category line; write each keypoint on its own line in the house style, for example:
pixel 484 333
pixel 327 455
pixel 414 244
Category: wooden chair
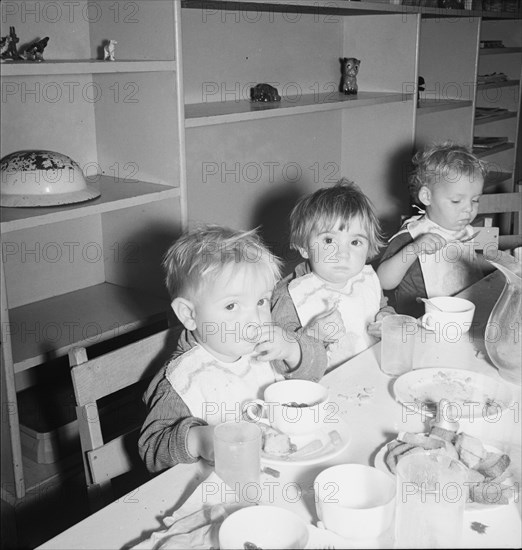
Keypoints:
pixel 497 204
pixel 98 378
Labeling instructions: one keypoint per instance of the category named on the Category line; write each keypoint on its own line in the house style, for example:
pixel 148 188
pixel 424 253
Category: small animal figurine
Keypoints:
pixel 109 51
pixel 8 44
pixel 420 88
pixel 264 92
pixel 349 69
pixel 35 51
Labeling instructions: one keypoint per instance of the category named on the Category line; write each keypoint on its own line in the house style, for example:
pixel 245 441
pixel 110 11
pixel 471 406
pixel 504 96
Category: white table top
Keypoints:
pixel 371 423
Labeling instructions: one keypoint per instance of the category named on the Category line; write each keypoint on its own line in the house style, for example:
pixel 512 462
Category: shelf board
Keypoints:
pixel 434 105
pixel 207 114
pixel 500 84
pixel 495 118
pixel 80 318
pixel 480 152
pixel 115 194
pixel 494 178
pixel 342 8
pixel 496 51
pixel 83 66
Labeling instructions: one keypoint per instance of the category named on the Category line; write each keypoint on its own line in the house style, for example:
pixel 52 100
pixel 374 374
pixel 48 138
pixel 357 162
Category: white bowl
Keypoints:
pixel 265 526
pixel 355 501
pixel 42 178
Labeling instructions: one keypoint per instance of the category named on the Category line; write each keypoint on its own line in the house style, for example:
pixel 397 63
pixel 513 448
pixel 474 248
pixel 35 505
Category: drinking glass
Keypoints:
pixel 237 455
pixel 431 495
pixel 398 338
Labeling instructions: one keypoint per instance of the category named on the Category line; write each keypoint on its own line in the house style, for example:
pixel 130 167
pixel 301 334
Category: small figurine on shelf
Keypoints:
pixel 109 50
pixel 265 93
pixel 35 51
pixel 420 88
pixel 8 45
pixel 350 69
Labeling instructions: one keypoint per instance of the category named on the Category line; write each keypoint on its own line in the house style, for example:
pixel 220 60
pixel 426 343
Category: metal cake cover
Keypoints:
pixel 42 178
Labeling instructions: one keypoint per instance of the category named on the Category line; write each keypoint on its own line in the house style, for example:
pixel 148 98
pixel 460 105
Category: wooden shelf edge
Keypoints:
pixel 495 118
pixel 501 84
pixel 498 51
pixel 493 150
pixel 82 66
pixel 435 105
pixel 208 114
pixel 346 8
pixel 116 194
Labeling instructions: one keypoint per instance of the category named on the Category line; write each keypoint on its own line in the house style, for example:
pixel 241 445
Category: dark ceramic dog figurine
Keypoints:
pixel 264 92
pixel 349 69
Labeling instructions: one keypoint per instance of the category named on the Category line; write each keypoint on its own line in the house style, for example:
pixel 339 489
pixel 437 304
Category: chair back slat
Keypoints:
pixel 116 370
pixel 112 459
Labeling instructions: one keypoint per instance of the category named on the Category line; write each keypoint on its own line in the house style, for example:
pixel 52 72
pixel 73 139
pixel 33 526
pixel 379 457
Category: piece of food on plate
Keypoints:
pixel 471 450
pixel 442 426
pixel 397 449
pixel 489 493
pixel 493 465
pixel 276 443
pixel 421 440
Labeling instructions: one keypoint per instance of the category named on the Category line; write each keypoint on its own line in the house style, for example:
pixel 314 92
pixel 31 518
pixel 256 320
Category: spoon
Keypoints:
pixel 427 301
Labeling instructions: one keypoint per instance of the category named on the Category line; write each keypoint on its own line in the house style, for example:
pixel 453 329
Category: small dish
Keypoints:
pixel 334 438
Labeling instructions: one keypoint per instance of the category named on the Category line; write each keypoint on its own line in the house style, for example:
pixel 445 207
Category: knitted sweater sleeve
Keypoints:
pixel 314 360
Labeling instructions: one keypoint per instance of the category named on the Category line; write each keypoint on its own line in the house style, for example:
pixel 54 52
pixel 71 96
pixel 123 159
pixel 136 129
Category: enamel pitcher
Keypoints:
pixel 503 331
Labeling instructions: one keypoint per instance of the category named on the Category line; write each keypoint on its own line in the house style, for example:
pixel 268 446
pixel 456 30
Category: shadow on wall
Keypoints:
pixel 396 186
pixel 272 216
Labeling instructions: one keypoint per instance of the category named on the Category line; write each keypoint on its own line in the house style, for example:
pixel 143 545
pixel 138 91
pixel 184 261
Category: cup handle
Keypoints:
pixel 427 322
pixel 255 411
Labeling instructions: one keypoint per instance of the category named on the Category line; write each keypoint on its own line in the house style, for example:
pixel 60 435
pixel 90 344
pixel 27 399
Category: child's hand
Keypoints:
pixel 327 327
pixel 428 243
pixel 276 343
pixel 200 442
pixel 375 328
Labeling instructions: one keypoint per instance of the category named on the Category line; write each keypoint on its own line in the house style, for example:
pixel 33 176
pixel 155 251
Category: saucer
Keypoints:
pixel 334 438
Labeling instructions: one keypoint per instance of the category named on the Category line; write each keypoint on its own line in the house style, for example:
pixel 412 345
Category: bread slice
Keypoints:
pixel 470 450
pixel 493 465
pixel 421 440
pixel 442 433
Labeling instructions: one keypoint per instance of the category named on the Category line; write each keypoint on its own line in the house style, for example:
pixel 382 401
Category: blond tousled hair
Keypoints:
pixel 199 256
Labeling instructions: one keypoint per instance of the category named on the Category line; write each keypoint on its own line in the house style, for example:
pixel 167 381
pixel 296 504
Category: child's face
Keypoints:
pixel 453 201
pixel 229 311
pixel 335 255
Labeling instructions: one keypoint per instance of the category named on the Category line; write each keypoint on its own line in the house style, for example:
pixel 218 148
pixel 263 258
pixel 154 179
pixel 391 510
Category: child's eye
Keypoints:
pixel 231 307
pixel 475 201
pixel 455 201
pixel 262 302
pixel 357 242
pixel 328 240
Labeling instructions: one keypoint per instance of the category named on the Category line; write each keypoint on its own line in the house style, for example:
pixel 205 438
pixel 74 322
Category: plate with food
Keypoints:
pixel 327 442
pixel 489 477
pixel 473 394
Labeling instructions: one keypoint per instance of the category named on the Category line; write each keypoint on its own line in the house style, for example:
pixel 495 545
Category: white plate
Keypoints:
pixel 326 452
pixel 380 464
pixel 473 394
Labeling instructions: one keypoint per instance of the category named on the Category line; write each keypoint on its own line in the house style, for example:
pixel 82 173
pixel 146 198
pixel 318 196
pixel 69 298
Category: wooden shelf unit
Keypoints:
pixel 87 272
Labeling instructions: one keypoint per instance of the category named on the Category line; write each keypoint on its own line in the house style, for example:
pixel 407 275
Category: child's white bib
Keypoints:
pixel 452 268
pixel 214 390
pixel 358 302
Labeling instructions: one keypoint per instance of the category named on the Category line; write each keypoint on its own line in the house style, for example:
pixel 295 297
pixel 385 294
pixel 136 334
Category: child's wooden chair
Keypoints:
pixel 97 378
pixel 494 204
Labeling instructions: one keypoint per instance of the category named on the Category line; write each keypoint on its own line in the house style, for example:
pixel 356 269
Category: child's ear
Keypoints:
pixel 425 195
pixel 303 252
pixel 185 312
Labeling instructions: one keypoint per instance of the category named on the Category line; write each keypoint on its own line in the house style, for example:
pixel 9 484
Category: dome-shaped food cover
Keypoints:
pixel 42 178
